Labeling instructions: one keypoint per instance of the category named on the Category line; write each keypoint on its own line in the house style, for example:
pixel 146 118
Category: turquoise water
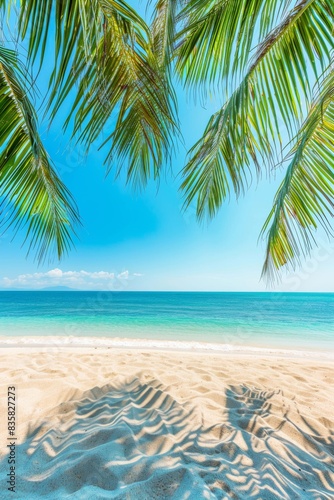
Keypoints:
pixel 284 320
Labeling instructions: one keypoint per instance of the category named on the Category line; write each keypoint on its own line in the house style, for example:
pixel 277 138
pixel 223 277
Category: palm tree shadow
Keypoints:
pixel 125 440
pixel 274 453
pixel 131 439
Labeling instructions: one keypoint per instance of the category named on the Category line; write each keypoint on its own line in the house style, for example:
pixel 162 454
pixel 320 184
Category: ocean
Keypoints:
pixel 298 321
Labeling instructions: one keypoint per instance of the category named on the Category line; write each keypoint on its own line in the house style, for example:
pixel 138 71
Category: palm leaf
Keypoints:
pixel 133 86
pixel 218 37
pixel 32 195
pixel 246 132
pixel 164 25
pixel 103 50
pixel 304 201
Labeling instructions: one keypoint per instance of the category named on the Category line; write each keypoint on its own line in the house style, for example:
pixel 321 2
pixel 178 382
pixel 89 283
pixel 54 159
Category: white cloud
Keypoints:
pixel 82 280
pixel 123 275
pixel 55 273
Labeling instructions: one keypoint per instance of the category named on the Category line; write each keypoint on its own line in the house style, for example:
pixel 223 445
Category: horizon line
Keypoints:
pixel 158 291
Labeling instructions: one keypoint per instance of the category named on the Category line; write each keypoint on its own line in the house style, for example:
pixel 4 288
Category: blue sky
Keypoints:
pixel 142 241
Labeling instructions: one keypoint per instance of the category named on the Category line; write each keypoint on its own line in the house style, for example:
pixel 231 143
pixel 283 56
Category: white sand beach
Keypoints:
pixel 128 423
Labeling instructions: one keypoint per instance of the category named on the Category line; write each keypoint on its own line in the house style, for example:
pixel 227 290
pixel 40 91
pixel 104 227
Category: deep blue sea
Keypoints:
pixel 282 320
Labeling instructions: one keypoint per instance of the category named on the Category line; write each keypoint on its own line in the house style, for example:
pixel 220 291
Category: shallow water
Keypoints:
pixel 281 320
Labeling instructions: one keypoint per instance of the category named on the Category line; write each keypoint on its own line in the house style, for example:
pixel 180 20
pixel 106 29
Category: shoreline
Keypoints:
pixel 60 342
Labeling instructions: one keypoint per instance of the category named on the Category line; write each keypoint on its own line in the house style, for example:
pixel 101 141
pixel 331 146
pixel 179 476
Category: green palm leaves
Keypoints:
pixel 268 102
pixel 102 50
pixel 263 57
pixel 31 193
pixel 304 200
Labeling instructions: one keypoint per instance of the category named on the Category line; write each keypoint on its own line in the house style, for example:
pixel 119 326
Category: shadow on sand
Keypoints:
pixel 132 440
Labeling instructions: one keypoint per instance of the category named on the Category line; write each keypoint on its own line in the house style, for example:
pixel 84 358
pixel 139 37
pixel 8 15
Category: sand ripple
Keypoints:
pixel 102 423
pixel 133 440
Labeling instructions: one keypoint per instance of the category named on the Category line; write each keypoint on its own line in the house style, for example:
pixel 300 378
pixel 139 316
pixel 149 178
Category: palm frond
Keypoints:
pixel 246 132
pixel 129 82
pixel 103 50
pixel 32 195
pixel 164 28
pixel 218 37
pixel 304 201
